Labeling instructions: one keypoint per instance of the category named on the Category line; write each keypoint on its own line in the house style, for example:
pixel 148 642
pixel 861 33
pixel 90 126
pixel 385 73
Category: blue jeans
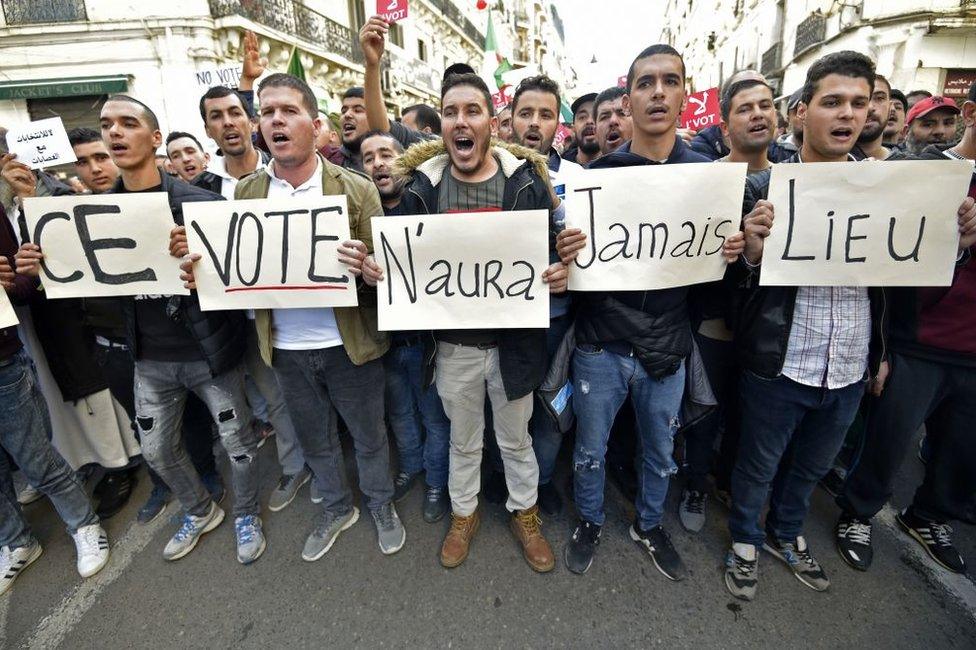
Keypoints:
pixel 546 437
pixel 24 432
pixel 601 382
pixel 780 414
pixel 416 415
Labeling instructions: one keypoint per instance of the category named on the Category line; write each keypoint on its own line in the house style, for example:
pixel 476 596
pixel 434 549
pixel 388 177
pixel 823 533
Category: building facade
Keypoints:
pixel 917 44
pixel 64 57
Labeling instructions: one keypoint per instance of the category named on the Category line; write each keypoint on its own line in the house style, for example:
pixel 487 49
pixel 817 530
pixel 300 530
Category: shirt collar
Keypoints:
pixel 314 181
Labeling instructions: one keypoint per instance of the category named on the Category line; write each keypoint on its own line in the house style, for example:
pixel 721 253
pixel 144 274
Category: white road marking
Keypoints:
pixel 960 587
pixel 54 627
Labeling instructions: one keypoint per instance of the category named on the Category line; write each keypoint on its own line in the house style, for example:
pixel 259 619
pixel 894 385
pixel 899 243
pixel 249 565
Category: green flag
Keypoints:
pixel 500 63
pixel 295 65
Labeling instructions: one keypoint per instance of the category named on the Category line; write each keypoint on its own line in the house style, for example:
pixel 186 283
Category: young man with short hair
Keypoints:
pixel 423 118
pixel 879 110
pixel 932 371
pixel 179 348
pixel 353 125
pixel 614 123
pixel 326 359
pixel 186 155
pixel 894 133
pixel 415 413
pixel 617 355
pixel 930 121
pixel 505 132
pixel 93 163
pixel 464 172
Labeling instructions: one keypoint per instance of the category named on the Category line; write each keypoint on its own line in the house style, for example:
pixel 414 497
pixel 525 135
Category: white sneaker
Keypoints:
pixel 13 561
pixel 92 544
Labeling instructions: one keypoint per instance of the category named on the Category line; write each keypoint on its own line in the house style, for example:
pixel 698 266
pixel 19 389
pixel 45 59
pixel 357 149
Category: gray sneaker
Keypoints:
pixel 691 512
pixel 326 531
pixel 796 555
pixel 288 486
pixel 191 529
pixel 250 538
pixel 742 571
pixel 389 530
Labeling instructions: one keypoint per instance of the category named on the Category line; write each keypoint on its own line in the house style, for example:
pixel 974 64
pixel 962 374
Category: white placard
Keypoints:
pixel 229 76
pixel 270 253
pixel 41 144
pixel 8 318
pixel 871 223
pixel 654 226
pixel 104 244
pixel 463 271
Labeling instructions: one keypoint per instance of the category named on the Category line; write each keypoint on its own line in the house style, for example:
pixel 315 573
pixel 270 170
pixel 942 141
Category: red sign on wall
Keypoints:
pixel 391 10
pixel 702 110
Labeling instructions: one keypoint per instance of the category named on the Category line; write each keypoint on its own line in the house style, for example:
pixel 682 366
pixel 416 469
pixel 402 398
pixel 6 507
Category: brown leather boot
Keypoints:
pixel 454 551
pixel 527 528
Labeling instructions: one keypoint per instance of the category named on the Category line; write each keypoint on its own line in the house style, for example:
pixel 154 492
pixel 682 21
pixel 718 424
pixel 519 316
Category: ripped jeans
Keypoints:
pixel 161 388
pixel 601 382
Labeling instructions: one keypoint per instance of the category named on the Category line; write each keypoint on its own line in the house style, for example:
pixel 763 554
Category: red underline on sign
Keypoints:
pixel 317 287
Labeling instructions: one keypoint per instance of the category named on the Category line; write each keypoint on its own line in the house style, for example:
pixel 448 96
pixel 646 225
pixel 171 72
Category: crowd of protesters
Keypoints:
pixel 813 384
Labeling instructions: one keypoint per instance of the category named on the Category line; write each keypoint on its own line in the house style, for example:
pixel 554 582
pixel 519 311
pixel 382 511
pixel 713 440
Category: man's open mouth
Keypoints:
pixel 613 137
pixel 380 177
pixel 843 132
pixel 657 110
pixel 232 137
pixel 589 131
pixel 118 147
pixel 462 143
pixel 759 129
pixel 279 138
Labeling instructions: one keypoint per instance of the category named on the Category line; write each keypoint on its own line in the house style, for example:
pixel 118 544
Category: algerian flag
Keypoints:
pixel 295 67
pixel 495 64
pixel 565 112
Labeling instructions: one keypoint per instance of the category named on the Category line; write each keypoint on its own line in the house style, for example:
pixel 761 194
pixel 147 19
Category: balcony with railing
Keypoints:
pixel 32 12
pixel 452 13
pixel 772 59
pixel 810 33
pixel 294 18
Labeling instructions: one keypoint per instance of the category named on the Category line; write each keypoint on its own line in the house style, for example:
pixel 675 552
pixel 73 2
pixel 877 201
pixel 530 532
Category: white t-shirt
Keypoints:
pixel 310 328
pixel 229 183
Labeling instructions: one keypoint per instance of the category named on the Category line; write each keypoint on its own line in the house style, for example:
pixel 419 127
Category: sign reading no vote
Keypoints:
pixel 868 223
pixel 653 227
pixel 104 245
pixel 270 253
pixel 462 271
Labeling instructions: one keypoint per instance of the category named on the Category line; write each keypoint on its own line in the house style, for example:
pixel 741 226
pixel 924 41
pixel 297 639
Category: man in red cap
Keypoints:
pixel 931 121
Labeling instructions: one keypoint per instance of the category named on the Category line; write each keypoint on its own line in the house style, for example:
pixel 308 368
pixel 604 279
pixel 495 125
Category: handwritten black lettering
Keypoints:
pixel 789 232
pixel 850 237
pixel 891 242
pixel 316 238
pixel 258 248
pixel 42 223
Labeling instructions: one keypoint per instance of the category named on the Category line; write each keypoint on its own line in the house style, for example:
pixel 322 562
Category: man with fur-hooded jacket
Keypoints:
pixel 467 171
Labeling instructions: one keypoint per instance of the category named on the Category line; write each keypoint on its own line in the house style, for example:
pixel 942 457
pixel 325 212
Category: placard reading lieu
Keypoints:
pixel 270 253
pixel 104 244
pixel 8 318
pixel 870 223
pixel 41 144
pixel 653 227
pixel 463 271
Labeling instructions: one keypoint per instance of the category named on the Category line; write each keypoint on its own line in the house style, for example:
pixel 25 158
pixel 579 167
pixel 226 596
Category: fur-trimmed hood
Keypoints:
pixel 431 159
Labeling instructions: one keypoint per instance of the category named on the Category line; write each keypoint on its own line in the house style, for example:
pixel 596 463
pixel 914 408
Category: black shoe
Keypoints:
pixel 935 538
pixel 549 499
pixel 402 484
pixel 113 491
pixel 582 547
pixel 495 490
pixel 833 482
pixel 657 543
pixel 624 476
pixel 853 537
pixel 437 503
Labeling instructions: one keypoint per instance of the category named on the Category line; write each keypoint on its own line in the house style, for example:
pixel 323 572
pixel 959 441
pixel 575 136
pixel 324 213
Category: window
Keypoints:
pixel 357 15
pixel 396 34
pixel 421 50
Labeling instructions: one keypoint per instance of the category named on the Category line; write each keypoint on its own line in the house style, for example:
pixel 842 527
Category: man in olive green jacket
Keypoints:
pixel 326 359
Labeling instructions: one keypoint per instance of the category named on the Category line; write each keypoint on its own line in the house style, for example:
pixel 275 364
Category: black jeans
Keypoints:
pixel 915 390
pixel 119 368
pixel 720 365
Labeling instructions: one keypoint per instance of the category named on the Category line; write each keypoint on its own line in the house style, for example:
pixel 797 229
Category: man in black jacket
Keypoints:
pixel 465 173
pixel 178 348
pixel 633 342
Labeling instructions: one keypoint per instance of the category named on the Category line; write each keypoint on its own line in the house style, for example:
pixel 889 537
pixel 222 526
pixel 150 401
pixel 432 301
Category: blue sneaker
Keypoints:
pixel 215 486
pixel 155 505
pixel 190 531
pixel 250 538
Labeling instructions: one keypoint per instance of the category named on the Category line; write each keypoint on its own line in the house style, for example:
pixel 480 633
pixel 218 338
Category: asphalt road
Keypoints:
pixel 355 597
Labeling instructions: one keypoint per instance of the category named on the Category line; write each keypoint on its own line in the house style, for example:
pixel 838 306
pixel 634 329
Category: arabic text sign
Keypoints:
pixel 462 271
pixel 653 227
pixel 104 245
pixel 41 144
pixel 866 223
pixel 8 318
pixel 270 253
pixel 392 10
pixel 702 110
